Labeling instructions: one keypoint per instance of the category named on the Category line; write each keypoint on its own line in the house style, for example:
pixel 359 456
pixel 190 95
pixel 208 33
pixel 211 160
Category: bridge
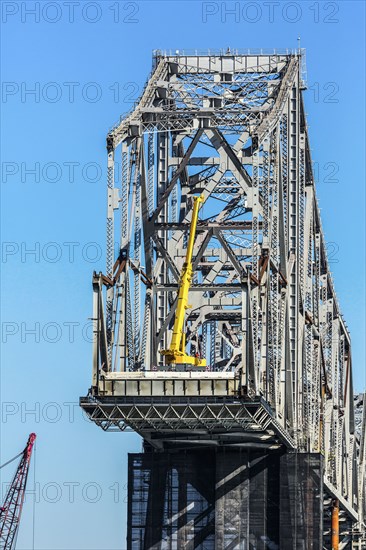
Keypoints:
pixel 264 448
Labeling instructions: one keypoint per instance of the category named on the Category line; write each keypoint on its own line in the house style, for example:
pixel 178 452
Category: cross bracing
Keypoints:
pixel 231 127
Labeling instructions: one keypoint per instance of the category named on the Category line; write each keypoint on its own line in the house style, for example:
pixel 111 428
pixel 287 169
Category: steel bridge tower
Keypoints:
pixel 259 449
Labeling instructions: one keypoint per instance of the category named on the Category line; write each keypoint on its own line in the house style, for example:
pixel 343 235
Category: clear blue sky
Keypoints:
pixel 60 125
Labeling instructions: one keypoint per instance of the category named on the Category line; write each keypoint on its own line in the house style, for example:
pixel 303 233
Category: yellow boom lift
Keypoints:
pixel 176 354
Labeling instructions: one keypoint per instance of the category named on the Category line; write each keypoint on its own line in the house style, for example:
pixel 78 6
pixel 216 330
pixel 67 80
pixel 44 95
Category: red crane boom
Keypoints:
pixel 11 510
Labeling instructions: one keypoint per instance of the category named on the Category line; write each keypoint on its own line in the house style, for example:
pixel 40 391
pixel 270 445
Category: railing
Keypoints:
pixel 228 51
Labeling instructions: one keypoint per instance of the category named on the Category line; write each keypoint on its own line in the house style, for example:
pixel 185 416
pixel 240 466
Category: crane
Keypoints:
pixel 176 354
pixel 11 510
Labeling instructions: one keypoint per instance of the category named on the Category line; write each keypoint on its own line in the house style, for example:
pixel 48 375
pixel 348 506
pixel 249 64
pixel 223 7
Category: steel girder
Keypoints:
pixel 232 127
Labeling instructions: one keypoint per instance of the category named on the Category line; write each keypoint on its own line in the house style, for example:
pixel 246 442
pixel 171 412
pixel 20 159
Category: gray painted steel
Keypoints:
pixel 232 126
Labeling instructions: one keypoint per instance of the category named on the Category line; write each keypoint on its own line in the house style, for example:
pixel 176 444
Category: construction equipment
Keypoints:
pixel 176 354
pixel 11 510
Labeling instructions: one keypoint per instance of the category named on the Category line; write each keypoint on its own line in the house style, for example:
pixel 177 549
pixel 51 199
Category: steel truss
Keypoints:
pixel 233 128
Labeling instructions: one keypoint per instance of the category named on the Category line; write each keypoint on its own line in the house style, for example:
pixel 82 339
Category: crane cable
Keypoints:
pixel 3 466
pixel 34 497
pixel 11 460
pixel 34 482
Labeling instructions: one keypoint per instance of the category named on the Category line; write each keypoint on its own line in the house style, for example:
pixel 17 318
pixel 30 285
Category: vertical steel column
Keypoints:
pixel 253 291
pixel 121 284
pixel 162 277
pixel 137 249
pixel 293 229
pixel 110 254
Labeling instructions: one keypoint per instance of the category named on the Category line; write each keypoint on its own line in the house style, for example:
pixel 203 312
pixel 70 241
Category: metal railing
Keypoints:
pixel 228 51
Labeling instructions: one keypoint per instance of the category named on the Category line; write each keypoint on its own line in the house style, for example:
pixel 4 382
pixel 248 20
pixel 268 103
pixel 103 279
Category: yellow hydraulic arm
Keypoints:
pixel 176 354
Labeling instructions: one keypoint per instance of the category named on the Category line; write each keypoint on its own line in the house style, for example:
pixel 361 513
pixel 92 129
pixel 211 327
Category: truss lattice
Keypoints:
pixel 233 128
